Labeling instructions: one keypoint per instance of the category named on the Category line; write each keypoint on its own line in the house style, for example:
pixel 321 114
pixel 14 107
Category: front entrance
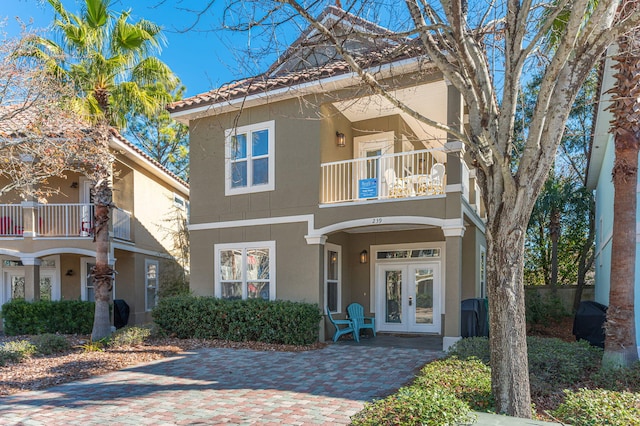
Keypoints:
pixel 408 297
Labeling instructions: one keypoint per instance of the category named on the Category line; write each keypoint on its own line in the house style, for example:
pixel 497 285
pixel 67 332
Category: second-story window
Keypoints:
pixel 250 158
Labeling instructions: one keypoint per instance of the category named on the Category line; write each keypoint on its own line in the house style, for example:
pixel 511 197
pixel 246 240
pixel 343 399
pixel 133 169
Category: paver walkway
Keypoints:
pixel 226 386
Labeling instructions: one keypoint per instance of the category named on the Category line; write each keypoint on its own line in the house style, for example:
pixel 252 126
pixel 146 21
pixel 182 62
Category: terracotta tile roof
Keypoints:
pixel 264 83
pixel 15 119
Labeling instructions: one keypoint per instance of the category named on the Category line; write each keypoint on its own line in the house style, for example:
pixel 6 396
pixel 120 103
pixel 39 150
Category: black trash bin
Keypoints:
pixel 120 313
pixel 474 321
pixel 588 323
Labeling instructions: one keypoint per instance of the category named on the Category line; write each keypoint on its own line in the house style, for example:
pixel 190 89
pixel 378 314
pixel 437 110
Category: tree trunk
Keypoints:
pixel 508 343
pixel 554 233
pixel 620 343
pixel 620 348
pixel 102 272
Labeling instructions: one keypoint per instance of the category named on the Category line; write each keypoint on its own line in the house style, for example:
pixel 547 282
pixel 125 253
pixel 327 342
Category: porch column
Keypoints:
pixel 29 213
pixel 31 278
pixel 453 285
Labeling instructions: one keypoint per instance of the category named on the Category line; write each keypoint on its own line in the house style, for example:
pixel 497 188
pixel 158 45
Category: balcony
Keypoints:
pixel 402 175
pixel 58 220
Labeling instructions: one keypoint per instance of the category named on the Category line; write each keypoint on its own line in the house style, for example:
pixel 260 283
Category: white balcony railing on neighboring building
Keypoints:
pixel 121 224
pixel 10 220
pixel 60 221
pixel 406 174
pixel 65 220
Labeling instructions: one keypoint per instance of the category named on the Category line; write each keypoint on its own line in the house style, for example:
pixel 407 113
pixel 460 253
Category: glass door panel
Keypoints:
pixel 423 281
pixel 393 295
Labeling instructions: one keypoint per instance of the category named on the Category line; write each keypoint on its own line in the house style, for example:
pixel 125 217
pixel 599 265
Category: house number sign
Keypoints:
pixel 376 220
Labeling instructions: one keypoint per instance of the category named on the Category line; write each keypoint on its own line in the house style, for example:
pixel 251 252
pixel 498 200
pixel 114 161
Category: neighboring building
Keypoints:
pixel 60 248
pixel 308 187
pixel 601 157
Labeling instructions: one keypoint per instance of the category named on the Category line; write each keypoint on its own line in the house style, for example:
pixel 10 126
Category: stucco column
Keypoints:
pixel 453 285
pixel 29 213
pixel 31 278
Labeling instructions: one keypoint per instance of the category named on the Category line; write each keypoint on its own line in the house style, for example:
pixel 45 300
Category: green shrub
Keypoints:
pixel 627 379
pixel 555 364
pixel 543 310
pixel 44 316
pixel 599 407
pixel 415 406
pixel 129 336
pixel 471 347
pixel 469 380
pixel 16 351
pixel 93 346
pixel 258 320
pixel 47 344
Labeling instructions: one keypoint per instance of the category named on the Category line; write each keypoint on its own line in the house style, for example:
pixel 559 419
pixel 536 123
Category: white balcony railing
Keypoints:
pixel 60 221
pixel 406 174
pixel 121 224
pixel 10 220
pixel 65 220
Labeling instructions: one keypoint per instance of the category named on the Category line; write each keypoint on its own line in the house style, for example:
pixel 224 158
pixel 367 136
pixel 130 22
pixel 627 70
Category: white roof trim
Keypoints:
pixel 127 150
pixel 601 131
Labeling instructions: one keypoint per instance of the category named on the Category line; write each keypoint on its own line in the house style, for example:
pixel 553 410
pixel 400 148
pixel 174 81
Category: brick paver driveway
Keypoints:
pixel 226 386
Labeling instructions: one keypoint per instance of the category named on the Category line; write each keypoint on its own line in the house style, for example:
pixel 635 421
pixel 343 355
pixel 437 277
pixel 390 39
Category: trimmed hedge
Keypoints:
pixel 44 316
pixel 291 323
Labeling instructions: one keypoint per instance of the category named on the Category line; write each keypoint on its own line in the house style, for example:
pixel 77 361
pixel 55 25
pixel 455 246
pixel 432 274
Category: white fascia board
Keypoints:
pixel 125 149
pixel 315 86
pixel 601 132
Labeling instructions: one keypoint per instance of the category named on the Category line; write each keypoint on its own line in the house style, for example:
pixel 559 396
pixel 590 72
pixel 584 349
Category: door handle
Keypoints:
pixel 410 301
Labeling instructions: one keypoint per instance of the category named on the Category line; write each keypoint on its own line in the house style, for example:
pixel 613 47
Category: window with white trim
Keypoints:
pixel 332 277
pixel 179 202
pixel 250 158
pixel 245 270
pixel 151 268
pixel 483 273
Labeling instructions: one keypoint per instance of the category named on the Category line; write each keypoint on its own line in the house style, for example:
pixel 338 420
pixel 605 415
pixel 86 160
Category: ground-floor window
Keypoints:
pixel 483 272
pixel 151 268
pixel 245 270
pixel 88 288
pixel 333 277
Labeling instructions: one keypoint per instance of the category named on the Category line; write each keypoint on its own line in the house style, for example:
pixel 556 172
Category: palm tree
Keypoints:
pixel 620 342
pixel 110 62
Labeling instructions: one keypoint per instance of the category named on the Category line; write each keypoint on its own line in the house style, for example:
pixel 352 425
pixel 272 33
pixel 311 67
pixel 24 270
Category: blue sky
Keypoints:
pixel 203 59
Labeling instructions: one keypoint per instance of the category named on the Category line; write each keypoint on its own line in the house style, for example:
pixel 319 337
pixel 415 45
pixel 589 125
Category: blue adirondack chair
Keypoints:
pixel 340 331
pixel 356 314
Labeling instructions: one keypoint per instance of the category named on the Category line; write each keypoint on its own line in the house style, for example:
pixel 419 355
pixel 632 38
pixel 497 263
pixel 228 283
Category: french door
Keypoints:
pixel 408 297
pixel 14 286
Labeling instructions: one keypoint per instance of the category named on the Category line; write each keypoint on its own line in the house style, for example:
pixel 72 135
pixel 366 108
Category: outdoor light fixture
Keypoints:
pixel 364 256
pixel 69 273
pixel 341 141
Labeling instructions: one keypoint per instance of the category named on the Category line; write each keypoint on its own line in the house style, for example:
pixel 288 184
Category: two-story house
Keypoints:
pixel 47 247
pixel 308 186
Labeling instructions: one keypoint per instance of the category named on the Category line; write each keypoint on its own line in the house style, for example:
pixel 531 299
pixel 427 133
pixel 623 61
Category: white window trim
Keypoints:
pixel 270 185
pixel 179 202
pixel 482 272
pixel 148 262
pixel 271 245
pixel 338 249
pixel 84 273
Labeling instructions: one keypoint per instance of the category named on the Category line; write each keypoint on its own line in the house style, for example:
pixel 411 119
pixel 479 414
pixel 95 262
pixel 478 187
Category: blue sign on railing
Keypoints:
pixel 368 188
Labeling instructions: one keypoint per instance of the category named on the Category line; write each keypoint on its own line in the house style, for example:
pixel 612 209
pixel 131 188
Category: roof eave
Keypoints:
pixel 335 82
pixel 601 131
